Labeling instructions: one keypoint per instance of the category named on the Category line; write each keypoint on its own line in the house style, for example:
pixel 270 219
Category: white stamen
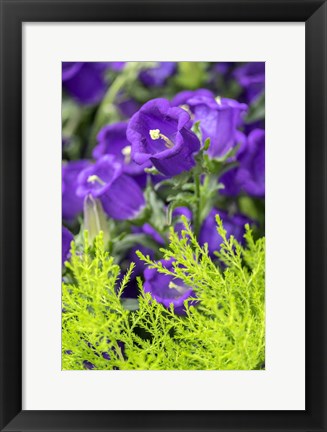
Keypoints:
pixel 155 134
pixel 94 178
pixel 127 151
pixel 178 288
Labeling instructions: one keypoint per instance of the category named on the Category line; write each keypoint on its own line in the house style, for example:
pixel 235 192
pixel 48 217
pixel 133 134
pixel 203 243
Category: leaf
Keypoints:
pixel 256 109
pixel 224 322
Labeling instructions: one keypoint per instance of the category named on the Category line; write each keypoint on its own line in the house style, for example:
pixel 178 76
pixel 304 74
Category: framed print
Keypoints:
pixel 163 215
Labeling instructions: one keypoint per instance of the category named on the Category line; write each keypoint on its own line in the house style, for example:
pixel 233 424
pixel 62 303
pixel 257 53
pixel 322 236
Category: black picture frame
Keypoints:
pixel 13 14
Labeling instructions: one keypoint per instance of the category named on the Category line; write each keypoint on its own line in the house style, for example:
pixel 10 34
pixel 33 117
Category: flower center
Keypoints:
pixel 218 100
pixel 95 179
pixel 155 134
pixel 178 288
pixel 126 152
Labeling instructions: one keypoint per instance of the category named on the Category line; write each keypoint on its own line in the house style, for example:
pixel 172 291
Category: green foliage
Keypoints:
pixel 191 75
pixel 257 109
pixel 224 330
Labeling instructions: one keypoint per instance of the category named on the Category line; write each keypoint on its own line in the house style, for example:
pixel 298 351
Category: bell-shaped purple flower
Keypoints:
pixel 166 289
pixel 112 140
pixel 120 195
pixel 84 81
pixel 157 75
pixel 66 238
pixel 251 77
pixel 254 161
pixel 182 97
pixel 218 117
pixel 72 204
pixel 159 133
pixel 234 225
pixel 249 176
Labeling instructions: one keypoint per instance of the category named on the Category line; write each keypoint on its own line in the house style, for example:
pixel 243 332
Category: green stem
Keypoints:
pixel 197 206
pixel 107 106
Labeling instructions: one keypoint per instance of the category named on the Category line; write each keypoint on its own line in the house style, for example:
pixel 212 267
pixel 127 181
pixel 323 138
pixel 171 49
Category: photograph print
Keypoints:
pixel 163 216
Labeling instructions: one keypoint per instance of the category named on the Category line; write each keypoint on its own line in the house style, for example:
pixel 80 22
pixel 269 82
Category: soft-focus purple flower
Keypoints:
pixel 182 97
pixel 234 225
pixel 254 160
pixel 112 140
pixel 157 75
pixel 166 289
pixel 251 78
pixel 141 179
pixel 67 238
pixel 218 117
pixel 222 67
pixel 249 176
pixel 127 107
pixel 120 195
pixel 257 124
pixel 159 133
pixel 72 204
pixel 116 66
pixel 88 365
pixel 85 82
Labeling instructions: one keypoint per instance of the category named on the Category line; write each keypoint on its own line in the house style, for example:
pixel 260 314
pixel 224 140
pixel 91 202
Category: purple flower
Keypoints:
pixel 116 66
pixel 157 75
pixel 234 225
pixel 251 78
pixel 222 67
pixel 127 107
pixel 166 289
pixel 88 365
pixel 218 117
pixel 84 81
pixel 120 195
pixel 257 124
pixel 182 97
pixel 72 204
pixel 159 133
pixel 112 140
pixel 249 176
pixel 67 238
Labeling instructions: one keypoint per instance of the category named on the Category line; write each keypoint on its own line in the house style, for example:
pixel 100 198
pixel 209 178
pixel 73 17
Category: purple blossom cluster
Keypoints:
pixel 128 151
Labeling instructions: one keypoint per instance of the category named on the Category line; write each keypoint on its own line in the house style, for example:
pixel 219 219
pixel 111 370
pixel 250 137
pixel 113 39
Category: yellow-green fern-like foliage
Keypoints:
pixel 224 330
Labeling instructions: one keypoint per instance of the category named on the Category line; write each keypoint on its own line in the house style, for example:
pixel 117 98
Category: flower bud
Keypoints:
pixel 95 219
